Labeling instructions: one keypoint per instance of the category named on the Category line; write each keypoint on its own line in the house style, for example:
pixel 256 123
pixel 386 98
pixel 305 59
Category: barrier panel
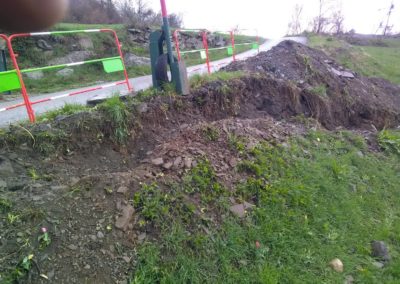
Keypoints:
pixel 110 64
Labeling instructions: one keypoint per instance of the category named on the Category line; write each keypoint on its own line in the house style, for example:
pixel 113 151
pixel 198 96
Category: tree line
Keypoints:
pixel 134 13
pixel 330 19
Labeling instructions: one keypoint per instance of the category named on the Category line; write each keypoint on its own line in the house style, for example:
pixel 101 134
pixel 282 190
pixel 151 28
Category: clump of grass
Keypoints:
pixel 5 205
pixel 198 80
pixel 67 109
pixel 117 114
pixel 389 140
pixel 319 90
pixel 210 132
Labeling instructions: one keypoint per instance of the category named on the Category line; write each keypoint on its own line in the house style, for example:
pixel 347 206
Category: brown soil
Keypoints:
pixel 348 102
pixel 86 183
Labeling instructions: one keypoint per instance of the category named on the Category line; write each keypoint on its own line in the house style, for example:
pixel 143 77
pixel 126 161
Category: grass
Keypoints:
pixel 67 109
pixel 324 196
pixel 197 81
pixel 319 90
pixel 370 61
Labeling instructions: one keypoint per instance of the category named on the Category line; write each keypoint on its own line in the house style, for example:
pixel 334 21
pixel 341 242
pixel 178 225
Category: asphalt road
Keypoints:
pixel 139 83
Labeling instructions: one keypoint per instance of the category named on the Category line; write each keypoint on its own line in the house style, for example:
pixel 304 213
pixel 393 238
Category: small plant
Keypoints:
pixel 117 113
pixel 389 140
pixel 198 80
pixel 319 90
pixel 236 143
pixel 211 133
pixel 33 174
pixel 5 205
pixel 67 109
pixel 12 218
pixel 44 238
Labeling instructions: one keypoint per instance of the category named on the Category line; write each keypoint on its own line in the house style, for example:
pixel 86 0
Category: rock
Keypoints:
pixel 233 162
pixel 344 74
pixel 178 163
pixel 126 259
pixel 74 56
pixel 158 161
pixel 3 184
pixel 142 108
pixel 66 72
pixel 72 247
pixel 58 187
pixel 238 210
pixel 349 279
pixel 248 206
pixel 87 267
pixel 100 235
pixel 337 265
pixel 6 168
pixel 42 44
pixel 380 250
pixel 188 163
pixel 37 75
pixel 142 237
pixel 134 60
pixel 122 222
pixel 378 264
pixel 86 43
pixel 168 165
pixel 122 190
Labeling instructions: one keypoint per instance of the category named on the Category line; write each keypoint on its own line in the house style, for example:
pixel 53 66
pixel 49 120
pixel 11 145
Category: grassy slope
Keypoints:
pixel 324 196
pixel 372 61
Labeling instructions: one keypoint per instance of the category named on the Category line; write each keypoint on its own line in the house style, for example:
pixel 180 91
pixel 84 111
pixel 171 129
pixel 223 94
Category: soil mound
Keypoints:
pixel 325 90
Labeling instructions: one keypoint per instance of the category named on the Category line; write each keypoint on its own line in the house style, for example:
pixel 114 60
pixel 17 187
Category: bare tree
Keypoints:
pixel 320 22
pixel 295 24
pixel 387 29
pixel 337 20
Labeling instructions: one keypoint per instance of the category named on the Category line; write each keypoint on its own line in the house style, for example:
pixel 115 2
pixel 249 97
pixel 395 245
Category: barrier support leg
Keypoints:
pixel 122 57
pixel 205 45
pixel 176 39
pixel 28 105
pixel 233 45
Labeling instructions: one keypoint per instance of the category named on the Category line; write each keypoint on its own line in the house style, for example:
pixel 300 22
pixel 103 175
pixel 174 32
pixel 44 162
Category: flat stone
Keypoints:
pixel 378 264
pixel 344 74
pixel 248 206
pixel 126 259
pixel 158 161
pixel 337 265
pixel 188 163
pixel 168 165
pixel 380 250
pixel 122 190
pixel 178 162
pixel 349 279
pixel 72 247
pixel 66 72
pixel 122 222
pixel 238 210
pixel 6 168
pixel 100 235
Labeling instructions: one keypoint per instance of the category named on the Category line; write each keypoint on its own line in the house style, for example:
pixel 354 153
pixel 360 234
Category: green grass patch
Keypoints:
pixel 67 109
pixel 319 90
pixel 371 61
pixel 322 197
pixel 197 81
pixel 389 140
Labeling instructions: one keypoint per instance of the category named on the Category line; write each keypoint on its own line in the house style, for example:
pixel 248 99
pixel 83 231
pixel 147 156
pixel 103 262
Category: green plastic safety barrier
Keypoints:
pixel 113 65
pixel 9 81
pixel 256 45
pixel 230 51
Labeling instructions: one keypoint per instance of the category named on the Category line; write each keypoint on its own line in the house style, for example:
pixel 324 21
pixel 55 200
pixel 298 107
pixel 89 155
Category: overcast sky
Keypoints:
pixel 272 17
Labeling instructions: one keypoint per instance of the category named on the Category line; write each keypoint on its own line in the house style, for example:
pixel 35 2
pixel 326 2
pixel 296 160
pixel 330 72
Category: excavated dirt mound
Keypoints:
pixel 322 89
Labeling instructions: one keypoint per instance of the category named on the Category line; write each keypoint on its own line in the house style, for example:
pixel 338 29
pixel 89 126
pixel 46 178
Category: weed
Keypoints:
pixel 5 205
pixel 236 143
pixel 117 114
pixel 33 174
pixel 44 239
pixel 389 140
pixel 319 90
pixel 12 218
pixel 211 133
pixel 67 109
